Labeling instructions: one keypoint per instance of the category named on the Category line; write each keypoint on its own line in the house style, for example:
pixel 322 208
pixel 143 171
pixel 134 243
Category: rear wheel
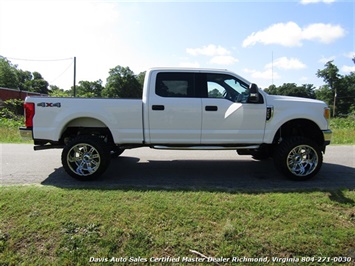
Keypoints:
pixel 85 158
pixel 298 158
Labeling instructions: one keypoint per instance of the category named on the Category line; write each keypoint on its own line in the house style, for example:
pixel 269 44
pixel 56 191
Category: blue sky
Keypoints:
pixel 264 41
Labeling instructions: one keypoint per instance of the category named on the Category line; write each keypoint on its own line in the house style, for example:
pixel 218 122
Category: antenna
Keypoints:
pixel 272 67
pixel 74 87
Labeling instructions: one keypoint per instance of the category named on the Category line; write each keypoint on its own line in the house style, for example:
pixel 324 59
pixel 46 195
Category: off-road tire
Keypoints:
pixel 298 158
pixel 86 158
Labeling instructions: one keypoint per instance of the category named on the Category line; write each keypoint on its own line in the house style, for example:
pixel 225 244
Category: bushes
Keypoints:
pixel 11 118
pixel 12 109
pixel 343 123
pixel 343 130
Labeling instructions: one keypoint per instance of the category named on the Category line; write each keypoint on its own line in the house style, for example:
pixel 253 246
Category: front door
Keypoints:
pixel 227 116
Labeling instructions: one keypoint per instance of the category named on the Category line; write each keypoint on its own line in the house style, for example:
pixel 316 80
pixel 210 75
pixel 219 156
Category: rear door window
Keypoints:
pixel 175 85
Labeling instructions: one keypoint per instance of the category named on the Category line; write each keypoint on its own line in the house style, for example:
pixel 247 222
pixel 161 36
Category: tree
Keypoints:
pixel 38 84
pixel 8 75
pixel 331 76
pixel 122 83
pixel 13 78
pixel 272 90
pixel 89 89
pixel 215 94
pixel 24 78
pixel 140 78
pixel 346 98
pixel 325 94
pixel 55 91
pixel 291 89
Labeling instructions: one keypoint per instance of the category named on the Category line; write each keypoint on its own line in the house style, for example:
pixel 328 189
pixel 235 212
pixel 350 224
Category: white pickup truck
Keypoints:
pixel 183 109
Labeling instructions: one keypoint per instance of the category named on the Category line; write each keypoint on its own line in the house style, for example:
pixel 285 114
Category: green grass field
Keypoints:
pixel 52 226
pixel 9 132
pixel 343 130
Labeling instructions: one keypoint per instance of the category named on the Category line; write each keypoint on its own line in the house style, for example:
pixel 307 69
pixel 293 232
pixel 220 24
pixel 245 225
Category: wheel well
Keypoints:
pixel 86 126
pixel 300 127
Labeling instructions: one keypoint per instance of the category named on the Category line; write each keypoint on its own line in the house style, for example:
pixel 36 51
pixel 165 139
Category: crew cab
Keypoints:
pixel 187 109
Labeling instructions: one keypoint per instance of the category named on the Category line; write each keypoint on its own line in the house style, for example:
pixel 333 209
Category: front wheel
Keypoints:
pixel 85 158
pixel 298 158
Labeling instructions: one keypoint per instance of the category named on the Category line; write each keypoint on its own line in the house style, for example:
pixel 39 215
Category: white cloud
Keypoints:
pixel 56 21
pixel 350 55
pixel 280 63
pixel 324 60
pixel 189 64
pixel 325 33
pixel 61 29
pixel 219 55
pixel 267 74
pixel 286 63
pixel 306 2
pixel 209 50
pixel 224 60
pixel 347 69
pixel 290 34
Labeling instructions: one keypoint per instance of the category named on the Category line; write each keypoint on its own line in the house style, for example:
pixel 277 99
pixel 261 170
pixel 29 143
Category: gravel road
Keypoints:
pixel 145 168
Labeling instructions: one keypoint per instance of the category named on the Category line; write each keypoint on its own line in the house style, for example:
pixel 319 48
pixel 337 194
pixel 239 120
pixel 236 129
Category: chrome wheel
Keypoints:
pixel 302 160
pixel 298 158
pixel 86 157
pixel 83 159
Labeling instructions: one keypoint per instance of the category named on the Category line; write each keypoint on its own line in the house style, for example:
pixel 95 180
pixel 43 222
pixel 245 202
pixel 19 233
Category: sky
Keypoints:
pixel 266 42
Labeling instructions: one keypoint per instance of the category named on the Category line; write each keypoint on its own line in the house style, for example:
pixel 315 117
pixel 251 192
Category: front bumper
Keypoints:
pixel 327 134
pixel 26 133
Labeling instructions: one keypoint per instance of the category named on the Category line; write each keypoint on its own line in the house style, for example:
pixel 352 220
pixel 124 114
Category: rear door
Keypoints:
pixel 227 116
pixel 174 111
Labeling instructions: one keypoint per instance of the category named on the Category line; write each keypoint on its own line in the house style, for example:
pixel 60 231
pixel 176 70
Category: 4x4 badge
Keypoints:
pixel 49 104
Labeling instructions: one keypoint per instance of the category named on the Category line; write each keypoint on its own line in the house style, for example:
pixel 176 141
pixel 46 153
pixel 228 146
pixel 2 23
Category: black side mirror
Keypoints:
pixel 253 93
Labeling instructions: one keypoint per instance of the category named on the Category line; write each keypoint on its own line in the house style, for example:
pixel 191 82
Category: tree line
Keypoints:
pixel 121 83
pixel 338 91
pixel 13 78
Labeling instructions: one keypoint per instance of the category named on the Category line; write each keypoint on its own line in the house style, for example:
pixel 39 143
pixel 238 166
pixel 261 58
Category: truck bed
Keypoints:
pixel 122 116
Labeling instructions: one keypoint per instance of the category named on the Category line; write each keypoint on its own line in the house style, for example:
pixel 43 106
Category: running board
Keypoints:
pixel 47 147
pixel 162 147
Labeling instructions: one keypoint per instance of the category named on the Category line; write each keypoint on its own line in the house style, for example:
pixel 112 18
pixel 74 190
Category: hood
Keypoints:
pixel 291 99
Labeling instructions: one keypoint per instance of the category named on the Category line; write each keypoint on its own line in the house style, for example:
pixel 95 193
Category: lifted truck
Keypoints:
pixel 183 109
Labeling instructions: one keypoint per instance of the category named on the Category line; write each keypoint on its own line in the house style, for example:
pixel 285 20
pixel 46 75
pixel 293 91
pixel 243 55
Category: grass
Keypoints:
pixel 343 130
pixel 9 132
pixel 51 226
pixel 10 135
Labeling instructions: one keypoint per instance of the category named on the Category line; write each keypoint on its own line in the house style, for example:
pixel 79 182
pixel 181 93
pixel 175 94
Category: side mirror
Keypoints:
pixel 253 93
